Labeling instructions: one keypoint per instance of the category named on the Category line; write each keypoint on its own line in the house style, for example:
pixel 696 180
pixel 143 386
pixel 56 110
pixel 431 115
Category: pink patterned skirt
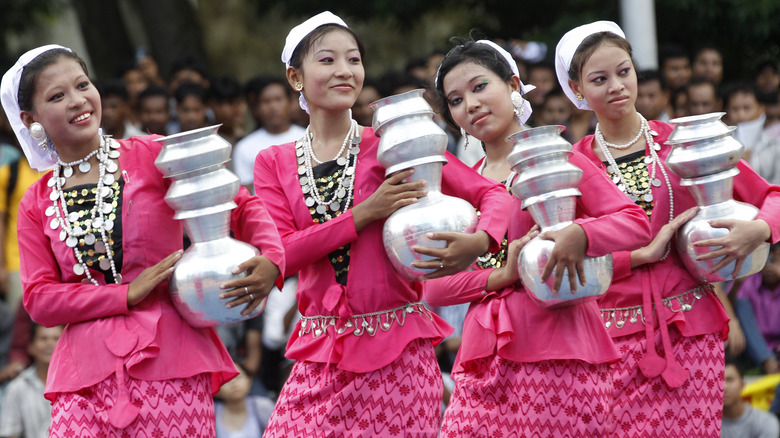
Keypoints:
pixel 496 397
pixel 401 399
pixel 649 408
pixel 168 408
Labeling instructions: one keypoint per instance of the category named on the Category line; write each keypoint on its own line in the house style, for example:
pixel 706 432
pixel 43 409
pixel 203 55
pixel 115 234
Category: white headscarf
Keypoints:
pixel 527 110
pixel 298 33
pixel 568 46
pixel 38 158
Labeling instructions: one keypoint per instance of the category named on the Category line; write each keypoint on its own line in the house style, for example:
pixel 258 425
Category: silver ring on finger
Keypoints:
pixel 441 264
pixel 246 290
pixel 251 297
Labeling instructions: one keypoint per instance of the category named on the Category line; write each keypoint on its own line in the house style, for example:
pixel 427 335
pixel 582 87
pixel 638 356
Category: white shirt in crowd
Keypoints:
pixel 247 149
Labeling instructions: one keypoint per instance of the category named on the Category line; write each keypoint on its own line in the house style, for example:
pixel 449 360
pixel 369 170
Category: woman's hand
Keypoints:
pixel 657 248
pixel 461 251
pixel 254 287
pixel 736 343
pixel 391 195
pixel 743 238
pixel 568 253
pixel 150 278
pixel 508 274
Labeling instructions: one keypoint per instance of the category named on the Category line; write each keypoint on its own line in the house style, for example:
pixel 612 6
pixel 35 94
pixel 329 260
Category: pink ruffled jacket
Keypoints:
pixel 669 278
pixel 103 336
pixel 509 323
pixel 373 285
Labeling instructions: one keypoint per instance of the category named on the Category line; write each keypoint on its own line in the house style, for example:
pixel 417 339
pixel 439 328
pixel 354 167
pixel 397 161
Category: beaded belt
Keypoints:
pixel 363 323
pixel 678 303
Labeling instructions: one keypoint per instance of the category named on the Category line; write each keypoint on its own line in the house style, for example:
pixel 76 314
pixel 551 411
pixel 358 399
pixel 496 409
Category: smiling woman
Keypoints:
pixel 97 244
pixel 365 364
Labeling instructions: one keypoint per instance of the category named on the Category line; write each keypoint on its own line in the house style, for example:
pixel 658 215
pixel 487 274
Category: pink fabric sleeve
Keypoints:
pixel 614 223
pixel 306 246
pixel 751 188
pixel 463 287
pixel 489 197
pixel 251 223
pixel 621 264
pixel 49 301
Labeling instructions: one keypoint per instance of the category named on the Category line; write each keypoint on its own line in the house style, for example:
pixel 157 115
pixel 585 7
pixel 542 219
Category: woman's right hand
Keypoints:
pixel 657 248
pixel 391 195
pixel 150 278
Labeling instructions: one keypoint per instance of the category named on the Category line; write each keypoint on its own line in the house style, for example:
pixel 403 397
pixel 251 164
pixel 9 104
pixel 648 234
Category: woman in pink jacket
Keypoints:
pixel 365 364
pixel 97 244
pixel 524 370
pixel 653 301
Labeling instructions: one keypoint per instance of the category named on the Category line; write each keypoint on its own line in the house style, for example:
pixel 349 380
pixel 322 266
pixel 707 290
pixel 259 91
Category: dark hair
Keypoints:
pixel 190 62
pixel 705 47
pixel 731 360
pixel 225 89
pixel 112 87
pixel 469 51
pixel 557 91
pixel 296 60
pixel 588 47
pixel 255 86
pixel 767 63
pixel 414 63
pixel 190 89
pixel 671 51
pixel 393 80
pixel 694 82
pixel 650 76
pixel 30 73
pixel 152 91
pixel 738 88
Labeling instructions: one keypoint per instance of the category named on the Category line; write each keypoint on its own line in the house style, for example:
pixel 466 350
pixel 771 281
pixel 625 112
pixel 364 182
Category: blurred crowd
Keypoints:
pixel 264 111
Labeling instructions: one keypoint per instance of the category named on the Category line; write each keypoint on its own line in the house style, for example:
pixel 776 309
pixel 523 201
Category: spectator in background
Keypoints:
pixel 745 111
pixel 116 109
pixel 652 96
pixel 239 414
pixel 542 75
pixel 767 77
pixel 678 103
pixel 771 103
pixel 26 413
pixel 675 66
pixel 136 82
pixel 191 106
pixel 740 420
pixel 188 68
pixel 361 112
pixel 702 97
pixel 556 109
pixel 762 290
pixel 418 67
pixel 708 64
pixel 271 108
pixel 153 110
pixel 148 67
pixel 226 100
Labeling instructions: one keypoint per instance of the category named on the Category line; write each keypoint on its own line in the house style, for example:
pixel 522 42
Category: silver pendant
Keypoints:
pixel 105 192
pixel 632 197
pixel 67 172
pixel 340 193
pixel 346 182
pixel 55 223
pixel 298 152
pixel 78 231
pixel 109 179
pixel 334 206
pixel 63 235
pixel 341 161
pixel 114 144
pixel 113 154
pixel 656 146
pixel 111 166
pixel 51 182
pixel 50 210
pixel 73 216
pixel 349 171
pixel 321 209
pixel 118 278
pixel 309 202
pixel 304 180
pixel 106 208
pixel 90 239
pixel 354 150
pixel 616 179
pixel 109 225
pixel 622 187
pixel 105 264
pixel 301 160
pixel 656 182
pixel 356 140
pixel 301 170
pixel 648 159
pixel 648 197
pixel 100 246
pixel 54 195
pixel 305 188
pixel 78 269
pixel 72 241
pixel 85 167
pixel 97 222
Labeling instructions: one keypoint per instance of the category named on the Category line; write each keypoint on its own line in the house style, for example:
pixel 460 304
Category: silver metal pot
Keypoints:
pixel 705 154
pixel 202 194
pixel 409 138
pixel 547 185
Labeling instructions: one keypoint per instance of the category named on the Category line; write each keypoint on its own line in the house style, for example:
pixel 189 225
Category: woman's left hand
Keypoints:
pixel 567 254
pixel 254 287
pixel 461 252
pixel 743 238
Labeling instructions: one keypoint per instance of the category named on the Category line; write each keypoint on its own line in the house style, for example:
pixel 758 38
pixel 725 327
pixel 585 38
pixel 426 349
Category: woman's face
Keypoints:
pixel 332 72
pixel 479 102
pixel 66 103
pixel 608 82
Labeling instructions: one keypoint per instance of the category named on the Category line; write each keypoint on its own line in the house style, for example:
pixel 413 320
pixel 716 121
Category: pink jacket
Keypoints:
pixel 509 323
pixel 103 335
pixel 669 278
pixel 373 285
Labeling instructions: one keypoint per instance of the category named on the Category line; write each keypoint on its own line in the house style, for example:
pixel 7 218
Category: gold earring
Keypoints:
pixel 298 86
pixel 579 96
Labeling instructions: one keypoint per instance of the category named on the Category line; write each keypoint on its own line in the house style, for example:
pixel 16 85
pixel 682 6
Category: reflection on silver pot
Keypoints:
pixel 202 195
pixel 547 185
pixel 409 138
pixel 704 155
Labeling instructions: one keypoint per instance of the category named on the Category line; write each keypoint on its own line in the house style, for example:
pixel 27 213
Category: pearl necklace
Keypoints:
pixel 71 235
pixel 600 136
pixel 653 160
pixel 342 197
pixel 509 179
